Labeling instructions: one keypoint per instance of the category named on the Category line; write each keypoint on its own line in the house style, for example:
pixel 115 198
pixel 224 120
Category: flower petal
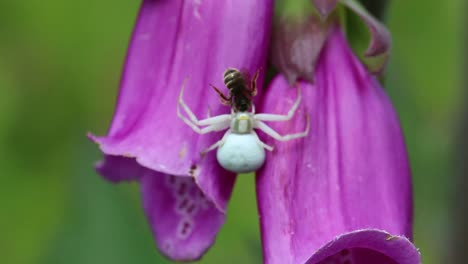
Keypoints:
pixel 350 173
pixel 381 39
pixel 118 168
pixel 367 246
pixel 175 41
pixel 183 221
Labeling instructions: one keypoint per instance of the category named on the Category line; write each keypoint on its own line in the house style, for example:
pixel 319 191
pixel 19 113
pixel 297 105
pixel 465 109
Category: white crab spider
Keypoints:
pixel 240 150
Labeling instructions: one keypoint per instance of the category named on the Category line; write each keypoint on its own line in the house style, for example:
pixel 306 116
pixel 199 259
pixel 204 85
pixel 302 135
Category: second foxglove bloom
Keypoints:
pixel 342 194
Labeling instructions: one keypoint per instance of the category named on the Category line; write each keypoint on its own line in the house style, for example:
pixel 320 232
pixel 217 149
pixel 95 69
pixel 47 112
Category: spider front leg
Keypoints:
pixel 217 144
pixel 262 144
pixel 288 116
pixel 272 133
pixel 215 123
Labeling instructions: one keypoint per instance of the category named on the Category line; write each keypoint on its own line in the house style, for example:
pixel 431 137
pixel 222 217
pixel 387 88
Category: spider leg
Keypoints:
pixel 217 144
pixel 224 99
pixel 289 115
pixel 272 133
pixel 261 143
pixel 215 123
pixel 210 128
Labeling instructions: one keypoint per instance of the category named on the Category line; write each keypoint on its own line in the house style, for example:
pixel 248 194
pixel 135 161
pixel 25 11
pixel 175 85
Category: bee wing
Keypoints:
pixel 245 74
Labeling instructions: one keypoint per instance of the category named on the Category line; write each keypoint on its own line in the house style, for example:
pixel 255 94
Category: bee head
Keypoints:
pixel 243 105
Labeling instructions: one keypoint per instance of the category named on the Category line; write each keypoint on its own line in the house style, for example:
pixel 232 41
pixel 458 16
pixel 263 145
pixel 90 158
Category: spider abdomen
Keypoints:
pixel 241 153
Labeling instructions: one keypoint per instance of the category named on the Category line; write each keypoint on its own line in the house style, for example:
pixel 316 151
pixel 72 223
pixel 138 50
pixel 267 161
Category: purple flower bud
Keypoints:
pixel 184 193
pixel 325 7
pixel 296 45
pixel 342 194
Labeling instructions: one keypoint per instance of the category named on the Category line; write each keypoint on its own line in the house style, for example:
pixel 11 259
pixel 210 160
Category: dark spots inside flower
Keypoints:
pixel 192 170
pixel 182 189
pixel 191 208
pixel 183 204
pixel 186 206
pixel 171 180
pixel 185 228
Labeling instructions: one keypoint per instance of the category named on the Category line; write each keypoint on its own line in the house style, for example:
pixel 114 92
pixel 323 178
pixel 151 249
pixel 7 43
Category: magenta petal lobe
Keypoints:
pixel 367 246
pixel 118 168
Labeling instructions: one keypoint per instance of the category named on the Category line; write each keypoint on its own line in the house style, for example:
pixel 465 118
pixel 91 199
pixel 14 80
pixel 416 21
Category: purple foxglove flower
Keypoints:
pixel 184 194
pixel 343 193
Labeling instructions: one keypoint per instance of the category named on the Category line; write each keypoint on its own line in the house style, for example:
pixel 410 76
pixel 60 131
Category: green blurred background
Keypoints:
pixel 60 64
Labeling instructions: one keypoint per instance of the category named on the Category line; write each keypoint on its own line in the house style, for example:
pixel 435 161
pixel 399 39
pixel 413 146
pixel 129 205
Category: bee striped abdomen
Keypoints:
pixel 233 79
pixel 239 93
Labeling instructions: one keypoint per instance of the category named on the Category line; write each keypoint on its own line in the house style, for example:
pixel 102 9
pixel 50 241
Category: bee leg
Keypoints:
pixel 253 83
pixel 224 99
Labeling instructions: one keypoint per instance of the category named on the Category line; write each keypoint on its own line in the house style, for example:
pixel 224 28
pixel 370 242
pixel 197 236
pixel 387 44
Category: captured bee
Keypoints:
pixel 241 89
